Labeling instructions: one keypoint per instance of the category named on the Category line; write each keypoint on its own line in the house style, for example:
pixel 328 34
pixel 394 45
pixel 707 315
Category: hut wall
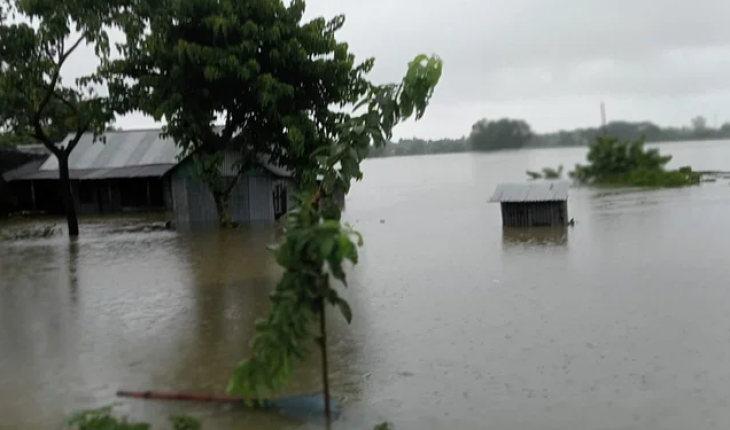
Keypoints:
pixel 534 214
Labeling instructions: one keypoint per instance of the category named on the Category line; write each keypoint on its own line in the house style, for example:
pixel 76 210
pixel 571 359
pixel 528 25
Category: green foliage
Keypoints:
pixel 34 101
pixel 185 422
pixel 501 134
pixel 627 163
pixel 316 246
pixel 547 173
pixel 13 139
pixel 102 419
pixel 311 245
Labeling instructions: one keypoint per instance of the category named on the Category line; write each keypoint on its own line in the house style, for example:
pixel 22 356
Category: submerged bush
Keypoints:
pixel 547 173
pixel 627 163
pixel 29 233
pixel 102 419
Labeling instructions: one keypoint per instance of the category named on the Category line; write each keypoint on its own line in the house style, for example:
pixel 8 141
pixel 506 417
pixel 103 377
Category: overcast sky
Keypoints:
pixel 550 62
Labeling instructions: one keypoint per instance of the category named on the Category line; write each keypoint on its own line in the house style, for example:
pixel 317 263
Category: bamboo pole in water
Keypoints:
pixel 163 395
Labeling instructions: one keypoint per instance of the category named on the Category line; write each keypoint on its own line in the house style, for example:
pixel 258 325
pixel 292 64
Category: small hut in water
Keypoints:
pixel 533 204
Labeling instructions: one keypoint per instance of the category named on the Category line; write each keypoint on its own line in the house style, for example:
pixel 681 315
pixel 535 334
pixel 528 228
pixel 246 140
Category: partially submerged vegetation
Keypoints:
pixel 28 233
pixel 628 163
pixel 547 173
pixel 616 162
pixel 103 419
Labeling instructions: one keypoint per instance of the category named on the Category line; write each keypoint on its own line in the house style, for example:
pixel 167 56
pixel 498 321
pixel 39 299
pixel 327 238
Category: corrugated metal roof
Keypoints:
pixel 275 169
pixel 33 148
pixel 24 170
pixel 150 171
pixel 126 154
pixel 122 149
pixel 531 192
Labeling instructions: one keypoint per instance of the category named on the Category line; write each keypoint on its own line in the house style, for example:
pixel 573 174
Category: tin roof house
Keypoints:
pixel 137 170
pixel 533 204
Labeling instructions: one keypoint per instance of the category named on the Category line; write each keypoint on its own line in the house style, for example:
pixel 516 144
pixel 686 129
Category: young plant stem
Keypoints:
pixel 325 369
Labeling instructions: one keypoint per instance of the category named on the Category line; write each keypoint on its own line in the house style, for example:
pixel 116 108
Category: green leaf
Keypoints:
pixel 327 245
pixel 344 309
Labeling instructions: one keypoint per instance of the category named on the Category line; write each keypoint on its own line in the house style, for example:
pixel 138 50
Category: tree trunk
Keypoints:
pixel 221 207
pixel 69 204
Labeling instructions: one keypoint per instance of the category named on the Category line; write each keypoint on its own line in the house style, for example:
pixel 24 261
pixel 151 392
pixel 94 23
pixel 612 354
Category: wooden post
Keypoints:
pixel 111 199
pixel 32 194
pixel 149 197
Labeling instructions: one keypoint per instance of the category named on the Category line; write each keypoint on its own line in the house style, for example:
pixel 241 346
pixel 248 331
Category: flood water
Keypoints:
pixel 620 322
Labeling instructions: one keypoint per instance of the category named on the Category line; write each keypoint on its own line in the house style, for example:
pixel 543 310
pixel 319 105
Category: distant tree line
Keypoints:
pixel 506 133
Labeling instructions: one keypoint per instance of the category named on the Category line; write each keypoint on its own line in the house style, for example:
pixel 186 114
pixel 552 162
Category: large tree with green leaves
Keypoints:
pixel 246 77
pixel 37 39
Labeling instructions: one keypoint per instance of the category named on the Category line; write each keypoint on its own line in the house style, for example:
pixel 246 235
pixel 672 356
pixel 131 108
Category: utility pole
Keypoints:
pixel 603 116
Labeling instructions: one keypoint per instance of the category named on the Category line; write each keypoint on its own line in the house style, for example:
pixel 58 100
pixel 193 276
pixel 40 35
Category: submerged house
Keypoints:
pixel 122 175
pixel 137 170
pixel 261 193
pixel 533 204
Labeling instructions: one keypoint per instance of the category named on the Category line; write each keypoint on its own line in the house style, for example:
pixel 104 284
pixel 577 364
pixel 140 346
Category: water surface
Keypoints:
pixel 621 322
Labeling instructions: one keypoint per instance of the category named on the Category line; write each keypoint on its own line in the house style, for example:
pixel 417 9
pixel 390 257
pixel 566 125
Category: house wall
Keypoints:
pixel 250 200
pixel 11 196
pixel 110 196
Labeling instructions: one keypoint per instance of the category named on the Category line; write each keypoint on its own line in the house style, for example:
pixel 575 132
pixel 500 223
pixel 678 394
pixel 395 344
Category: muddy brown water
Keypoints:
pixel 620 322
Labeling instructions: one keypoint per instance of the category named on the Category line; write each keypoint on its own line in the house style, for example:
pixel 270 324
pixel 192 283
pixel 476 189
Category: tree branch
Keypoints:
pixel 71 106
pixel 62 57
pixel 79 134
pixel 38 131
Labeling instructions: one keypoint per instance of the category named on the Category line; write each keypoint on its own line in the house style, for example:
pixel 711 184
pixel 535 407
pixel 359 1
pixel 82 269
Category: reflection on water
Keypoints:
pixel 536 236
pixel 618 322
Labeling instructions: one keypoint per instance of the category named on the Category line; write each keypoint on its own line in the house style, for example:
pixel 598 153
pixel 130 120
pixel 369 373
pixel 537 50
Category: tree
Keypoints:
pixel 254 66
pixel 501 134
pixel 34 99
pixel 699 124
